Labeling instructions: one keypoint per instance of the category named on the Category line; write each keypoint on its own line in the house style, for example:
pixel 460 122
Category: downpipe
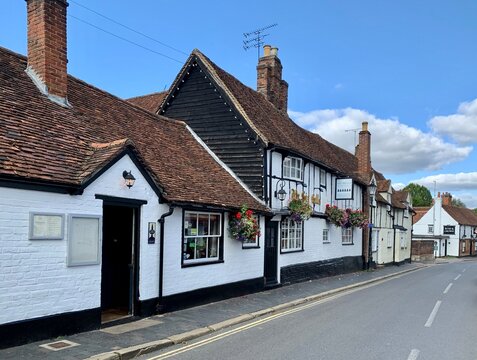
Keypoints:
pixel 160 306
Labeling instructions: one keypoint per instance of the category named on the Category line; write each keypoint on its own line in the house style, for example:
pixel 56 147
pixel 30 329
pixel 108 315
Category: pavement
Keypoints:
pixel 150 334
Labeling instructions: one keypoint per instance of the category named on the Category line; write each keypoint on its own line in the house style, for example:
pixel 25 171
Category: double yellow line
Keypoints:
pixel 251 325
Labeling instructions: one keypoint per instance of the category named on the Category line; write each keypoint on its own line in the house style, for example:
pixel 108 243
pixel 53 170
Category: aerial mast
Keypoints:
pixel 255 38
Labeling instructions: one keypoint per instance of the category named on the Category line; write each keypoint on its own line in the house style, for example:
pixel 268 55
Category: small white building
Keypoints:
pixel 454 228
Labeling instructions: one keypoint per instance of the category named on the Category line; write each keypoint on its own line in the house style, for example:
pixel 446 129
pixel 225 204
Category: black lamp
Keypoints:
pixel 280 194
pixel 129 178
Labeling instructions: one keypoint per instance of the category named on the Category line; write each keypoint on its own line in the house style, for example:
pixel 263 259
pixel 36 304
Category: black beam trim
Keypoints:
pixel 38 185
pixel 120 201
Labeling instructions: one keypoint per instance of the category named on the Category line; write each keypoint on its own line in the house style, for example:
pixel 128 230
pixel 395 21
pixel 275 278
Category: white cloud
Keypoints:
pixel 461 127
pixel 398 186
pixel 450 182
pixel 396 148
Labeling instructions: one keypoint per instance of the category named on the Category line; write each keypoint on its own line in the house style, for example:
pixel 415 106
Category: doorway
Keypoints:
pixel 119 262
pixel 271 252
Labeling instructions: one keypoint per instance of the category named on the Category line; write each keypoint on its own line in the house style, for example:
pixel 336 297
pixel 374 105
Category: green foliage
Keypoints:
pixel 421 196
pixel 475 210
pixel 458 203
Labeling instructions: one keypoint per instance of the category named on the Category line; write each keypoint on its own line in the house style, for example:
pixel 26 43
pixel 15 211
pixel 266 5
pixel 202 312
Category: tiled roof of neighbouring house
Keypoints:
pixel 149 102
pixel 420 212
pixel 463 216
pixel 43 142
pixel 275 127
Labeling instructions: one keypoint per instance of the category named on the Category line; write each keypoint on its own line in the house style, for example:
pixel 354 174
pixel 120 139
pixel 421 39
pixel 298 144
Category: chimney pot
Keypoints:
pixel 266 50
pixel 274 51
pixel 364 126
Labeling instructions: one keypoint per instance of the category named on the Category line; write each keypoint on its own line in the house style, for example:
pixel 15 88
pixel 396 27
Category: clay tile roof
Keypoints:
pixel 149 102
pixel 43 141
pixel 381 199
pixel 383 185
pixel 463 216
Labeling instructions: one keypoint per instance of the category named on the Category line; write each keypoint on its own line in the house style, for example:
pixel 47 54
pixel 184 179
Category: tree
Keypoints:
pixel 475 210
pixel 421 196
pixel 458 203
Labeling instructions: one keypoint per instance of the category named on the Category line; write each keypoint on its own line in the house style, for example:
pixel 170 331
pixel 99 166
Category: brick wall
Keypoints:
pixel 269 79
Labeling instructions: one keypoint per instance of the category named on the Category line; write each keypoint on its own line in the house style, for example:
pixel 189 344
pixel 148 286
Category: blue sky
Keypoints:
pixel 407 67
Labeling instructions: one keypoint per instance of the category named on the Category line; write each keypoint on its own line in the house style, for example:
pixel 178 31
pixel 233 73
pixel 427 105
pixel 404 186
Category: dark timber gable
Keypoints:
pixel 199 102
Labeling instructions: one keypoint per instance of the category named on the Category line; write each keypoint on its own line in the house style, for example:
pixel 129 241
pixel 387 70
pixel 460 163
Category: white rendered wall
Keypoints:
pixel 239 264
pixel 34 279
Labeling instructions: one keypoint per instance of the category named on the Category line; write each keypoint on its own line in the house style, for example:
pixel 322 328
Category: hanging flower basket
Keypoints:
pixel 346 218
pixel 243 226
pixel 299 206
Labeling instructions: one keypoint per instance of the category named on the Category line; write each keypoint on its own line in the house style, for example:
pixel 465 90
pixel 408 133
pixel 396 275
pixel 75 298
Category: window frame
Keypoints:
pixel 256 244
pixel 347 236
pixel 389 240
pixel 290 159
pixel 327 231
pixel 323 178
pixel 297 225
pixel 430 228
pixel 220 239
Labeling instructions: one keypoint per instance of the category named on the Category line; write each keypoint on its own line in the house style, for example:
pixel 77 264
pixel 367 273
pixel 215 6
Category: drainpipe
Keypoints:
pixel 394 237
pixel 160 306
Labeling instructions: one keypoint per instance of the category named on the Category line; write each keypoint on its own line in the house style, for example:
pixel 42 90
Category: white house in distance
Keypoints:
pixel 454 229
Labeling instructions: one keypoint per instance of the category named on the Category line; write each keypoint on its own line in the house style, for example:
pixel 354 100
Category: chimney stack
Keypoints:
pixel 363 150
pixel 446 199
pixel 47 58
pixel 269 78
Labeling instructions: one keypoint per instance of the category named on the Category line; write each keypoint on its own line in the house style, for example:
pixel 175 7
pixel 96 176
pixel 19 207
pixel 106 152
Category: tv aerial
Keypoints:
pixel 254 39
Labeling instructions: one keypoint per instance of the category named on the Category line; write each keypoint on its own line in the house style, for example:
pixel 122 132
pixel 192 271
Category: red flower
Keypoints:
pixel 238 216
pixel 249 213
pixel 327 206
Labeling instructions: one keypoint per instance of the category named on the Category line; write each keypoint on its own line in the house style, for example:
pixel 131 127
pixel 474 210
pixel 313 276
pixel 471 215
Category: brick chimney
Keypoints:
pixel 47 58
pixel 363 150
pixel 269 78
pixel 446 199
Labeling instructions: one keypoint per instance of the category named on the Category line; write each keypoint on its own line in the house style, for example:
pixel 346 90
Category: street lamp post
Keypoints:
pixel 372 193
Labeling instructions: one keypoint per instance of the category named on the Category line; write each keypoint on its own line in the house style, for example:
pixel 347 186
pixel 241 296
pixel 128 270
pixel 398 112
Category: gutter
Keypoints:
pixel 161 220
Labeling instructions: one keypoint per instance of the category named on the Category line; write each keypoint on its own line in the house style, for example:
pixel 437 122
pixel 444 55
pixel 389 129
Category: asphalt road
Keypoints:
pixel 429 314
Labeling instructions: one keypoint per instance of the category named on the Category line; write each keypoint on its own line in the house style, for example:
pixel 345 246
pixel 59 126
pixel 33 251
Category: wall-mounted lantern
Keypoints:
pixel 280 194
pixel 129 178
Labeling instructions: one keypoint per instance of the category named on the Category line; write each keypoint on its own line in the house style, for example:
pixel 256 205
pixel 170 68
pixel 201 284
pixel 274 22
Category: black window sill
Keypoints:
pixel 347 244
pixel 326 242
pixel 250 247
pixel 202 263
pixel 291 251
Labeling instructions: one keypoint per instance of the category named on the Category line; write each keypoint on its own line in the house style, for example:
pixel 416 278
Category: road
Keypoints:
pixel 426 314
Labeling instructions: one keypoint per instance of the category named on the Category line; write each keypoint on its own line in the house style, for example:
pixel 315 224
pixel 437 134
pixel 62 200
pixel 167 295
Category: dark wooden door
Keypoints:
pixel 116 274
pixel 271 252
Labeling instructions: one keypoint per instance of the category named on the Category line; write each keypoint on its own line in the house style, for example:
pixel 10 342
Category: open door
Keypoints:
pixel 119 265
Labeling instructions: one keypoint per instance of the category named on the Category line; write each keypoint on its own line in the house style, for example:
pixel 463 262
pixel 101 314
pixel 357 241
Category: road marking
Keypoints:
pixel 228 333
pixel 447 288
pixel 457 277
pixel 464 270
pixel 413 355
pixel 433 314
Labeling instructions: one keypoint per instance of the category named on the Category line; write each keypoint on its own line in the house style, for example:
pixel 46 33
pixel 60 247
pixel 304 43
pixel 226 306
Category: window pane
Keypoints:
pixel 189 249
pixel 201 248
pixel 213 246
pixel 214 224
pixel 203 224
pixel 190 224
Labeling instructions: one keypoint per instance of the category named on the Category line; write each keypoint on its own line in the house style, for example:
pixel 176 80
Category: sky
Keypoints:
pixel 407 67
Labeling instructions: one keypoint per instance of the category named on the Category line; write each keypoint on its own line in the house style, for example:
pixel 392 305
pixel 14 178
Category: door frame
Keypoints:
pixel 135 205
pixel 266 264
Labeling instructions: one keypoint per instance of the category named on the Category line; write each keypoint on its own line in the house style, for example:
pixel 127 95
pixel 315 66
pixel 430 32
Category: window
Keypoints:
pixel 84 238
pixel 202 237
pixel 374 240
pixel 402 239
pixel 255 242
pixel 347 236
pixel 291 235
pixel 326 233
pixel 430 229
pixel 389 240
pixel 322 178
pixel 293 168
pixel 463 246
pixel 406 212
